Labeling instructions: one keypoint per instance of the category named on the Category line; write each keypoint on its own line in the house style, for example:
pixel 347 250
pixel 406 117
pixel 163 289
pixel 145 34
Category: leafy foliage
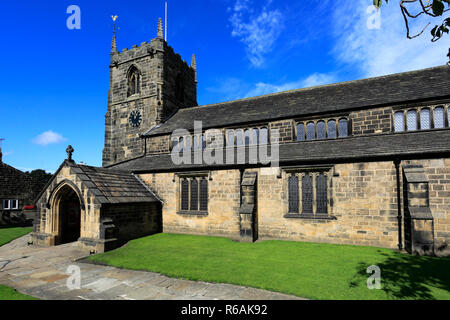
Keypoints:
pixel 39 179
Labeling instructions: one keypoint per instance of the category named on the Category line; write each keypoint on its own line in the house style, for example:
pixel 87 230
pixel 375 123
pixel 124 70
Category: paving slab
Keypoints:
pixel 42 272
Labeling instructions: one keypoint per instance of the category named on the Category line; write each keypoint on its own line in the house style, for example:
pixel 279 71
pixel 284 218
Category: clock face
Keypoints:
pixel 135 119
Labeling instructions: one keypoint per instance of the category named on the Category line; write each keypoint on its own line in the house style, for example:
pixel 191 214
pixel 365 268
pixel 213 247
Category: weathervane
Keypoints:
pixel 114 18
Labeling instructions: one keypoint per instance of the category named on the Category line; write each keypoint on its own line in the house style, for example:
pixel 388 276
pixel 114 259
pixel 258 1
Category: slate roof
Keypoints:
pixel 109 186
pixel 14 183
pixel 421 85
pixel 370 147
pixel 114 186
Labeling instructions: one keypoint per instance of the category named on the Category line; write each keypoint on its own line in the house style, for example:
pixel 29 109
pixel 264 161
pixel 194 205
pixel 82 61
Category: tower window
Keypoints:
pixel 133 81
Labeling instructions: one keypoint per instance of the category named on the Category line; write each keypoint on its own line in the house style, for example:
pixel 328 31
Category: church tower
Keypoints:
pixel 148 84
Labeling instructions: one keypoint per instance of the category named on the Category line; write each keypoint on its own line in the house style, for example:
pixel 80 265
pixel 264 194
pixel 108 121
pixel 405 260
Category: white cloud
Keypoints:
pixel 315 79
pixel 48 137
pixel 233 88
pixel 258 32
pixel 386 50
pixel 7 153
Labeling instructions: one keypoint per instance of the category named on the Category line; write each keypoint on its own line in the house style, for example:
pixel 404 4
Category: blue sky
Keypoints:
pixel 54 83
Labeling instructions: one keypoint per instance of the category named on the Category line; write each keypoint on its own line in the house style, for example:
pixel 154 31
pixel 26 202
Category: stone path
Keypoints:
pixel 41 272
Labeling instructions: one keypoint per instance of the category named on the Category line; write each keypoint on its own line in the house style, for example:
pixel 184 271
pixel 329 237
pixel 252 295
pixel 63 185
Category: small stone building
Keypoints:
pixel 15 193
pixel 99 208
pixel 363 162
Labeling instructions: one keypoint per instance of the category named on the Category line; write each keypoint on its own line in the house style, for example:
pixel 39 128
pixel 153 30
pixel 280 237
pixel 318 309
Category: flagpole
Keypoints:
pixel 166 24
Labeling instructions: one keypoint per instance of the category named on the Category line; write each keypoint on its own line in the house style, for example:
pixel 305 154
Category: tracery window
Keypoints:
pixel 194 194
pixel 411 120
pixel 399 121
pixel 332 130
pixel 421 118
pixel 439 117
pixel 308 192
pixel 425 120
pixel 322 129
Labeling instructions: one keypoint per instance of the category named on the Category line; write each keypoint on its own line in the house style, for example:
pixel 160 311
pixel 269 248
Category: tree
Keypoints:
pixel 39 179
pixel 432 8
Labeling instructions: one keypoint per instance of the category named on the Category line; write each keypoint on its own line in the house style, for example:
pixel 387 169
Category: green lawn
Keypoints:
pixel 9 234
pixel 7 293
pixel 310 270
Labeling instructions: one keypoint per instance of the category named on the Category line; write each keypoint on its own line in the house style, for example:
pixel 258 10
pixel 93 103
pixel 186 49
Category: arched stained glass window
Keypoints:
pixel 194 195
pixel 332 129
pixel 204 195
pixel 239 138
pixel 264 136
pixel 185 195
pixel 300 132
pixel 175 145
pixel 322 194
pixel 230 138
pixel 255 137
pixel 293 194
pixel 310 131
pixel 321 131
pixel 196 144
pixel 399 121
pixel 247 137
pixel 188 144
pixel 343 128
pixel 203 142
pixel 411 120
pixel 439 117
pixel 307 194
pixel 425 122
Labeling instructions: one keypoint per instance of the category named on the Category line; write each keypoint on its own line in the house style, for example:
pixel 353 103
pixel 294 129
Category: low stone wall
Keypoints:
pixel 133 221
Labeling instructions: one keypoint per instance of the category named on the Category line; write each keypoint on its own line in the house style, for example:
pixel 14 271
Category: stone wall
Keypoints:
pixel 285 128
pixel 158 145
pixel 363 201
pixel 133 221
pixel 438 174
pixel 371 121
pixel 223 204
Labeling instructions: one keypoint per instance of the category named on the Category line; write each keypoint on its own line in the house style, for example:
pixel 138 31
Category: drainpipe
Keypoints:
pixel 399 205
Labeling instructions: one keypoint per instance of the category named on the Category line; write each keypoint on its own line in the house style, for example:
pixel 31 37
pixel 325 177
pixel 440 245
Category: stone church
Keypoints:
pixel 364 162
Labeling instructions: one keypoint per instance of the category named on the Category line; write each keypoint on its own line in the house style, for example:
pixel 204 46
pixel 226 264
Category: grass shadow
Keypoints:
pixel 409 277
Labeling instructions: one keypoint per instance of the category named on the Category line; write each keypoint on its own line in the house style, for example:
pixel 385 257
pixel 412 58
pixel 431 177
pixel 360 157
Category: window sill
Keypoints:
pixel 309 217
pixel 193 213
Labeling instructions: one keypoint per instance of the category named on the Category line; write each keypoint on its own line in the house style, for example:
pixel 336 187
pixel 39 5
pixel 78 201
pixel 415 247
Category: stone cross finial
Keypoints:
pixel 69 151
pixel 160 33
